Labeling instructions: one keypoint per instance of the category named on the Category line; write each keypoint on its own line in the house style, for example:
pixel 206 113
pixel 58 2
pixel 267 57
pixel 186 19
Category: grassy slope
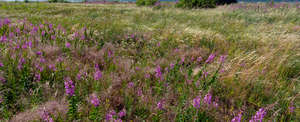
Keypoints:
pixel 267 42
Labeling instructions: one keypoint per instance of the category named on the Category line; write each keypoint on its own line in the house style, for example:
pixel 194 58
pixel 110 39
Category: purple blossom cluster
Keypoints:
pixel 259 116
pixel 95 101
pixel 69 86
pixel 46 116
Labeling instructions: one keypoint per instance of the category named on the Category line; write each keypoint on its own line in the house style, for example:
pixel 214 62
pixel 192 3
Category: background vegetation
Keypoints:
pixel 93 62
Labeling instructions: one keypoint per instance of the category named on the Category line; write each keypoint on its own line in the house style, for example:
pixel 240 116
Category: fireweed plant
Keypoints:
pixel 112 71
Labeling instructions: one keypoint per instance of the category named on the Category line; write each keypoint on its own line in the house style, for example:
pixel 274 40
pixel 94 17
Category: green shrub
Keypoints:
pixel 146 2
pixel 203 3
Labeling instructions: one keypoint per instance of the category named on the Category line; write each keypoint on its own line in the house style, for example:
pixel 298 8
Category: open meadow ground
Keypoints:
pixel 120 62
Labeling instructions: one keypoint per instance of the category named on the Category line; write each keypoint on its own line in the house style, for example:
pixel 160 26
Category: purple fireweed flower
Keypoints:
pixel 122 113
pixel 196 102
pixel 53 37
pixel 6 21
pixel 223 58
pixel 78 76
pixel 37 77
pixel 52 67
pixel 237 118
pixel 147 75
pixel 82 37
pixel 68 45
pixel 69 86
pixel 291 108
pixel 204 74
pixel 95 101
pixel 50 26
pixel 21 62
pixel 1 64
pixel 108 117
pixel 2 79
pixel 130 85
pixel 42 60
pixel 29 44
pixel 211 58
pixel 207 98
pixel 259 116
pixel 24 46
pixel 159 105
pixel 43 33
pixel 46 116
pixel 172 66
pixel 182 60
pixel 3 39
pixel 158 73
pixel 39 53
pixel 97 75
pixel 139 92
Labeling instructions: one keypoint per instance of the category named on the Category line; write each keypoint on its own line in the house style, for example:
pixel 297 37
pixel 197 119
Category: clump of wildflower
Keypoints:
pixel 122 113
pixel 69 86
pixel 199 59
pixel 237 118
pixel 222 58
pixel 1 64
pixel 2 79
pixel 259 116
pixel 291 108
pixel 159 105
pixel 39 53
pixel 207 98
pixel 68 45
pixel 158 73
pixel 37 77
pixel 196 102
pixel 97 75
pixel 52 67
pixel 46 116
pixel 130 85
pixel 109 115
pixel 211 58
pixel 95 101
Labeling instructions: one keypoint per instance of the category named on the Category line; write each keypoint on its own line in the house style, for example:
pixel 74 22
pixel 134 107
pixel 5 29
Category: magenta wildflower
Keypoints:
pixel 69 86
pixel 159 105
pixel 259 116
pixel 130 85
pixel 109 115
pixel 196 102
pixel 68 45
pixel 78 76
pixel 237 118
pixel 139 92
pixel 207 98
pixel 1 64
pixel 158 73
pixel 211 58
pixel 52 67
pixel 46 116
pixel 172 66
pixel 95 101
pixel 39 53
pixel 122 113
pixel 291 108
pixel 97 75
pixel 2 79
pixel 37 77
pixel 3 39
pixel 223 58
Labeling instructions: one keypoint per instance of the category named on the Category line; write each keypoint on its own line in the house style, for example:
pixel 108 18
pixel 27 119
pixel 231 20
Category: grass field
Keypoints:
pixel 120 62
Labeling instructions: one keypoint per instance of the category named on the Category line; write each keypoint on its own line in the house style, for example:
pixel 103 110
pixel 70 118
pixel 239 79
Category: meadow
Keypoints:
pixel 119 62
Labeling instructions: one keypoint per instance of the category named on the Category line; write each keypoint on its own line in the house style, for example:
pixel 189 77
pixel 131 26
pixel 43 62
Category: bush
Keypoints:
pixel 146 2
pixel 203 3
